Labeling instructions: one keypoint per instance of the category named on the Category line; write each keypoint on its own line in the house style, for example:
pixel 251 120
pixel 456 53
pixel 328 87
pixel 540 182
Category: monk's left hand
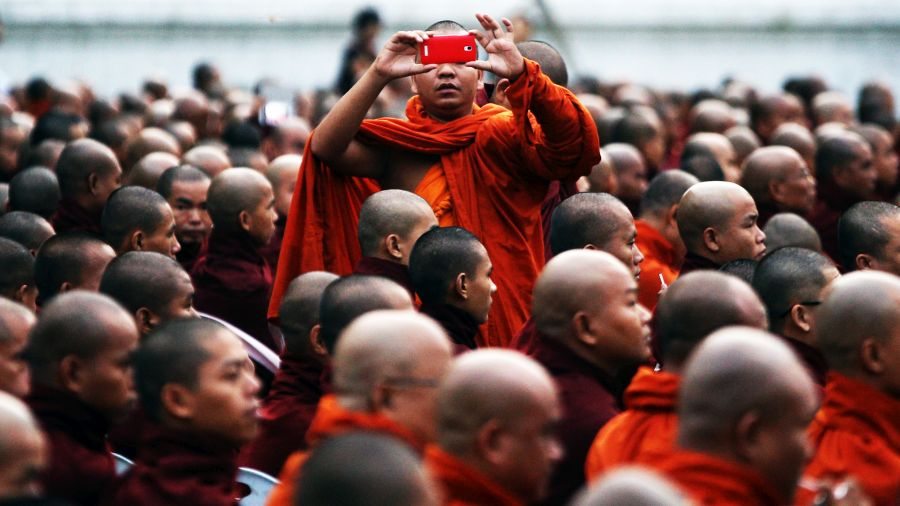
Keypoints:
pixel 504 58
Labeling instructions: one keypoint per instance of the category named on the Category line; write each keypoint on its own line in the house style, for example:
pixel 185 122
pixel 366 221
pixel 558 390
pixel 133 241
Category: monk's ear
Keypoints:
pixel 500 88
pixel 26 295
pixel 748 434
pixel 392 245
pixel 245 220
pixel 491 443
pixel 865 262
pixel 413 86
pixel 670 216
pixel 583 330
pixel 65 287
pixel 801 317
pixel 315 341
pixel 461 286
pixel 776 190
pixel 871 357
pixel 136 240
pixel 589 246
pixel 711 239
pixel 92 181
pixel 71 373
pixel 146 320
pixel 178 401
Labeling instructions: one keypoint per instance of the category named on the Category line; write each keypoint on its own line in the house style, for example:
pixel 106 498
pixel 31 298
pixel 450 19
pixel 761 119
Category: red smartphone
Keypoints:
pixel 448 49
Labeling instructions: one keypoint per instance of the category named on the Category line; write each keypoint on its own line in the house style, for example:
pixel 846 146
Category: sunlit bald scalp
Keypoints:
pixel 299 310
pixel 665 190
pixel 438 257
pixel 551 62
pixel 27 229
pixel 350 297
pixel 231 192
pixel 284 165
pixel 142 279
pixel 789 276
pixel 12 313
pixel 623 156
pixel 794 136
pixel 17 267
pixel 78 160
pixel 35 190
pixel 765 165
pixel 698 304
pixel 147 171
pixel 709 204
pixel 179 174
pixel 150 140
pixel 631 486
pixel 789 229
pixel 389 212
pixel 15 419
pixel 130 209
pixel 209 159
pixel 862 230
pixel 587 218
pixel 65 258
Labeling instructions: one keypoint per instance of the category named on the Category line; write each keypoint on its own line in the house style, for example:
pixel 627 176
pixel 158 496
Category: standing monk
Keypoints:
pixel 486 169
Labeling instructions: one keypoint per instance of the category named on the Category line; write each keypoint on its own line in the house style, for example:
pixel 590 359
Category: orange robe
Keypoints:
pixel 331 420
pixel 497 166
pixel 660 257
pixel 856 433
pixel 712 481
pixel 642 433
pixel 462 485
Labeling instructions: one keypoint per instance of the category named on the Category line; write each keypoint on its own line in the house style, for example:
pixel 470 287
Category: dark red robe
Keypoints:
pixel 81 465
pixel 188 255
pixel 460 326
pixel 588 402
pixel 179 468
pixel 693 262
pixel 286 414
pixel 831 202
pixel 812 358
pixel 125 436
pixel 233 282
pixel 70 217
pixel 394 271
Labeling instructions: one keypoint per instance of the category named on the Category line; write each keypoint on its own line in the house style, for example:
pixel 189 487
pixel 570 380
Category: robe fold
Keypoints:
pixel 179 468
pixel 331 420
pixel 398 273
pixel 286 414
pixel 856 433
pixel 497 167
pixel 461 327
pixel 831 202
pixel 693 262
pixel 70 217
pixel 463 485
pixel 233 282
pixel 660 257
pixel 712 481
pixel 645 431
pixel 81 466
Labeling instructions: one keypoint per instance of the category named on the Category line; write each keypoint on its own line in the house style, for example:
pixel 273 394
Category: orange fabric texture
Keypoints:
pixel 709 480
pixel 497 166
pixel 642 433
pixel 462 485
pixel 659 258
pixel 856 433
pixel 331 420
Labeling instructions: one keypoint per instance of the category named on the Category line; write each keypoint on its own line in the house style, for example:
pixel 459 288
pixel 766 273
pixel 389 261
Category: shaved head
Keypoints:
pixel 209 159
pixel 501 393
pixel 27 229
pixel 78 161
pixel 16 322
pixel 282 173
pixel 349 297
pixel 866 236
pixel 17 275
pixel 665 191
pixel 798 138
pixel 35 190
pixel 439 257
pixel 179 174
pixel 789 229
pixel 698 304
pixel 588 219
pixel 767 173
pixel 69 261
pixel 551 62
pixel 632 486
pixel 712 115
pixel 744 141
pixel 299 310
pixel 150 140
pixel 147 170
pixel 717 219
pixel 393 212
pixel 234 191
pixel 23 450
pixel 130 210
pixel 841 153
pixel 445 25
pixel 716 146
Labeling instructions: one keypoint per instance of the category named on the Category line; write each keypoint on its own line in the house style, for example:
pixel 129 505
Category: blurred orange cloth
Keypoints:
pixel 462 485
pixel 659 258
pixel 712 481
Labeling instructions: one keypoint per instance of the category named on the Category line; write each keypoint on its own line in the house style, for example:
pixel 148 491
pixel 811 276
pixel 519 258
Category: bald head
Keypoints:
pixel 831 106
pixel 715 146
pixel 147 170
pixel 798 138
pixel 712 115
pixel 665 191
pixel 78 162
pixel 789 229
pixel 397 213
pixel 744 141
pixel 777 177
pixel 717 220
pixel 27 229
pixel 282 174
pixel 289 137
pixel 769 112
pixel 209 159
pixel 299 310
pixel 633 486
pixel 150 140
pixel 235 191
pixel 866 232
pixel 631 172
pixel 69 261
pixel 499 392
pixel 132 215
pixel 585 219
pixel 16 322
pixel 23 451
pixel 349 297
pixel 551 62
pixel 17 274
pixel 846 159
pixel 602 178
pixel 35 190
pixel 698 304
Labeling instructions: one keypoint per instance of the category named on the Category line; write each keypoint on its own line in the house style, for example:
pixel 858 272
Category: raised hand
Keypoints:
pixel 504 59
pixel 398 57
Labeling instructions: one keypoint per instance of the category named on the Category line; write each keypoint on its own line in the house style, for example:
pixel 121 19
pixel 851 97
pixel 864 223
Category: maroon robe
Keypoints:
pixel 271 251
pixel 394 271
pixel 188 255
pixel 693 262
pixel 588 402
pixel 812 358
pixel 286 413
pixel 459 325
pixel 526 340
pixel 125 436
pixel 81 465
pixel 831 202
pixel 179 468
pixel 70 217
pixel 233 282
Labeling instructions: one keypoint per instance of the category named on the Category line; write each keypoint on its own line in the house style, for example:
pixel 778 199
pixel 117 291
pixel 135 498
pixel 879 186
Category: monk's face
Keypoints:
pixel 620 326
pixel 181 303
pixel 448 92
pixel 795 191
pixel 260 223
pixel 632 181
pixel 26 457
pixel 740 236
pixel 224 402
pixel 888 258
pixel 14 372
pixel 162 239
pixel 480 289
pixel 188 203
pixel 11 140
pixel 107 383
pixel 623 244
pixel 284 192
pixel 885 159
pixel 859 177
pixel 413 397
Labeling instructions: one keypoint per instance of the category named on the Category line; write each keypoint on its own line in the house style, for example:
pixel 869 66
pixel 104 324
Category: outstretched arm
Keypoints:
pixel 333 142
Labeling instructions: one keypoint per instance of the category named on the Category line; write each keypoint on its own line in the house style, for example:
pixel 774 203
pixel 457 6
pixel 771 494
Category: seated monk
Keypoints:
pixel 497 412
pixel 390 223
pixel 185 189
pixel 282 173
pixel 744 404
pixel 779 181
pixel 867 237
pixel 387 366
pixel 70 261
pixel 884 158
pixel 592 221
pixel 88 172
pixel 486 169
pixel 364 469
pixel 451 273
pixel 79 354
pixel 769 112
pixel 23 454
pixel 712 146
pixel 657 234
pixel 634 486
pixel 717 222
pixel 138 219
pixel 631 174
pixel 290 404
pixel 855 433
pixel 17 274
pixel 791 283
pixel 233 280
pixel 590 329
pixel 16 322
pixel 35 190
pixel 789 230
pixel 694 306
pixel 27 229
pixel 197 386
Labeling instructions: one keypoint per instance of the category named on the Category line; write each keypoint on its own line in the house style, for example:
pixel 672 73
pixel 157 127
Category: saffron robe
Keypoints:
pixel 497 166
pixel 712 481
pixel 660 258
pixel 463 485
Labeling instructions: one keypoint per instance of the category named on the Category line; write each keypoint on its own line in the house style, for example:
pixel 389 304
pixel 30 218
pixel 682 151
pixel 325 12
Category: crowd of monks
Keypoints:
pixel 512 290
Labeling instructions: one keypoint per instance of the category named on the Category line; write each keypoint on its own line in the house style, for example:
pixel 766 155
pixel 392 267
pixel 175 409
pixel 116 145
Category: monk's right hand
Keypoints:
pixel 398 57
